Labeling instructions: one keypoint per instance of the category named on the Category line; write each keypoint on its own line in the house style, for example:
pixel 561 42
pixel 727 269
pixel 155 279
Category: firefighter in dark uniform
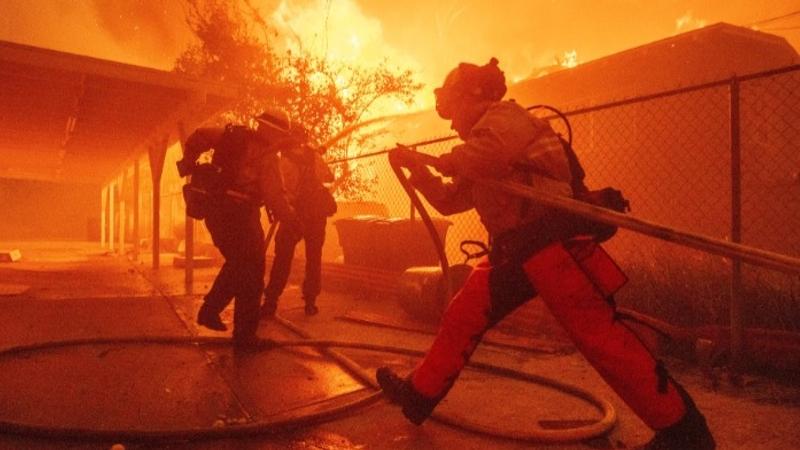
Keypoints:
pixel 249 177
pixel 304 173
pixel 535 250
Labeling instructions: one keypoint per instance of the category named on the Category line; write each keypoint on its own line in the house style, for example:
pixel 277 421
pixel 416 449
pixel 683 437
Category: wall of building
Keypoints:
pixel 38 210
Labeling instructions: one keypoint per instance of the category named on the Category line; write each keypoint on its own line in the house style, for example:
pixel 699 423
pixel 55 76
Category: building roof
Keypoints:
pixel 72 118
pixel 707 54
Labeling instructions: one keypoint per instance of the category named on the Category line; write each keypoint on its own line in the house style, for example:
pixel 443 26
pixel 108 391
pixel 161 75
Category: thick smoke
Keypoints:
pixel 152 30
pixel 431 36
pixel 141 32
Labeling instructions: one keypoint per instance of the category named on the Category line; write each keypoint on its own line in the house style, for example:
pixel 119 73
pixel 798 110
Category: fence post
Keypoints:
pixel 736 315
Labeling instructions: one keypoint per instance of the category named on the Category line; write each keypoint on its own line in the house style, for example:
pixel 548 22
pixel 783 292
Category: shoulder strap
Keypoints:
pixel 231 145
pixel 575 168
pixel 577 174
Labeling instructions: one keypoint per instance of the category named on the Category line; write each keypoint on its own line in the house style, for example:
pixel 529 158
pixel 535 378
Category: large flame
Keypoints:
pixel 342 33
pixel 570 59
pixel 688 22
pixel 429 37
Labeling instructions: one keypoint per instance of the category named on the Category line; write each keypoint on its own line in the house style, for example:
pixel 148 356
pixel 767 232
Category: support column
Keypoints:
pixel 111 218
pixel 157 152
pixel 122 214
pixel 136 237
pixel 103 213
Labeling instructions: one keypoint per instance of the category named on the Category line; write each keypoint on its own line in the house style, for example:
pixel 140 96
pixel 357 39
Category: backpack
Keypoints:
pixel 314 199
pixel 607 197
pixel 209 182
pixel 229 153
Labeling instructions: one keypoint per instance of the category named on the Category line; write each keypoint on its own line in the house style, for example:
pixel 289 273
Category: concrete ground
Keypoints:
pixel 62 291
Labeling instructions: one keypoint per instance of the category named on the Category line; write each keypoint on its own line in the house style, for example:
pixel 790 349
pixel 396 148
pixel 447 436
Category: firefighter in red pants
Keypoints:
pixel 535 250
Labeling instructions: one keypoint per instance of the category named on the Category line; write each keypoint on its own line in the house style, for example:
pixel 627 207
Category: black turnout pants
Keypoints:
pixel 286 239
pixel 236 230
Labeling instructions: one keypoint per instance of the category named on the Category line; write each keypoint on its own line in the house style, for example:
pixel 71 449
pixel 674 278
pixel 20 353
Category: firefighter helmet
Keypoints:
pixel 275 118
pixel 469 82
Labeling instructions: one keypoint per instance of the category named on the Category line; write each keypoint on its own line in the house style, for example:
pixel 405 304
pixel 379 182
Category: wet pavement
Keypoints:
pixel 63 291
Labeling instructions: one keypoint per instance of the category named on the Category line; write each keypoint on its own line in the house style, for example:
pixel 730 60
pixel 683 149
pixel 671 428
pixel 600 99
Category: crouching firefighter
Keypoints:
pixel 535 251
pixel 228 193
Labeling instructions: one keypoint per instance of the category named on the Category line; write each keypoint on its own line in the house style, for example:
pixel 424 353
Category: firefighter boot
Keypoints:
pixel 690 433
pixel 311 307
pixel 416 408
pixel 210 319
pixel 269 307
pixel 246 345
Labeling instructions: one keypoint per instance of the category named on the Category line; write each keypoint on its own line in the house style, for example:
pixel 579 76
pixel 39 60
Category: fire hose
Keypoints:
pixel 732 250
pixel 288 421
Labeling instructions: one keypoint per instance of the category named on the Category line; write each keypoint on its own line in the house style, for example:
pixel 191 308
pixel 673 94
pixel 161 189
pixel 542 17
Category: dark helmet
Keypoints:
pixel 471 83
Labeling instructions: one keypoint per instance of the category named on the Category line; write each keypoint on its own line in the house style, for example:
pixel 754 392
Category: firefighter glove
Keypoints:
pixel 405 156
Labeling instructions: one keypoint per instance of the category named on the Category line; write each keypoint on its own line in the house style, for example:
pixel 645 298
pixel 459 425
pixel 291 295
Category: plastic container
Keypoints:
pixel 388 243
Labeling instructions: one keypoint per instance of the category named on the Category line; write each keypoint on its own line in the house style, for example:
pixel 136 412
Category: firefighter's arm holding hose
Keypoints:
pixel 447 197
pixel 485 153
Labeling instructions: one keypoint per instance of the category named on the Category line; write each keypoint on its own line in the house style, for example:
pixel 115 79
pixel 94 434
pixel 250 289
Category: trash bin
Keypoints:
pixel 421 290
pixel 355 238
pixel 389 243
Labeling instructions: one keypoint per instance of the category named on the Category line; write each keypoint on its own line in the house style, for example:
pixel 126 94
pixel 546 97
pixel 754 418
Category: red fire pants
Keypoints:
pixel 574 283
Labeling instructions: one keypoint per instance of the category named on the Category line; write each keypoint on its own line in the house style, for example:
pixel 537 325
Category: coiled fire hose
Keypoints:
pixel 289 421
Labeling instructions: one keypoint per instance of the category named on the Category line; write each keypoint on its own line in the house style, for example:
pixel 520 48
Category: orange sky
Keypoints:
pixel 429 36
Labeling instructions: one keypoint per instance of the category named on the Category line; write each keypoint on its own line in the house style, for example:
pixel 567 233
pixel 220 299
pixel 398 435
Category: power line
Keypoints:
pixel 793 13
pixel 781 28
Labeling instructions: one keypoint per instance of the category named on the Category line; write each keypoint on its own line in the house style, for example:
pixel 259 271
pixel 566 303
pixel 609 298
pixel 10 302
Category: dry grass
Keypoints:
pixel 688 288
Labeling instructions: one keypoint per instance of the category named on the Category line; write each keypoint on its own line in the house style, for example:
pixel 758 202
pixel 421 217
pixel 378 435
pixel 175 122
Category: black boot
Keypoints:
pixel 416 407
pixel 210 319
pixel 311 307
pixel 269 307
pixel 246 345
pixel 690 433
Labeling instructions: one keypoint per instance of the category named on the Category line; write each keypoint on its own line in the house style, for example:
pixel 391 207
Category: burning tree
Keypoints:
pixel 236 45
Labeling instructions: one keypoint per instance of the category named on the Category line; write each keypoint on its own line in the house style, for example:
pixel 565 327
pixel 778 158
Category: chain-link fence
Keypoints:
pixel 719 159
